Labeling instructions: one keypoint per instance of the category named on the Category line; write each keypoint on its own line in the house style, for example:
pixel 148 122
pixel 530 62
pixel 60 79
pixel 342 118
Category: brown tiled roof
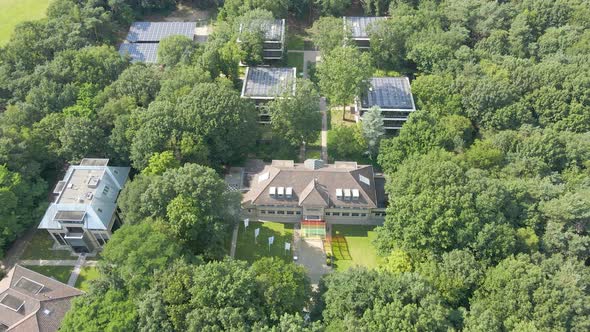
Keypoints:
pixel 307 192
pixel 53 296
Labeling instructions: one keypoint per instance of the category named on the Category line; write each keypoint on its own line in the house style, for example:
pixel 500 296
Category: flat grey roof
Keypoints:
pixel 268 82
pixel 388 93
pixel 145 52
pixel 94 162
pixel 273 29
pixel 359 24
pixel 156 31
pixel 75 216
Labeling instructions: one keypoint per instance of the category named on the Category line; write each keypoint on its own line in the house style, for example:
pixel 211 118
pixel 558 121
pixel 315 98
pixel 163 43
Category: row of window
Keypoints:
pixel 346 214
pixel 280 212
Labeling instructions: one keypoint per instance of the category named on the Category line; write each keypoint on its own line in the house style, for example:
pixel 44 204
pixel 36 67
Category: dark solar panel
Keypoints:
pixel 12 302
pixel 75 216
pixel 388 92
pixel 29 285
pixel 147 53
pixel 273 29
pixel 359 25
pixel 268 82
pixel 156 31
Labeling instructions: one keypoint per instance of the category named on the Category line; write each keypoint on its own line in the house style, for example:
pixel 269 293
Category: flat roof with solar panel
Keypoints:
pixel 268 82
pixel 154 32
pixel 146 52
pixel 388 93
pixel 273 30
pixel 12 302
pixel 359 25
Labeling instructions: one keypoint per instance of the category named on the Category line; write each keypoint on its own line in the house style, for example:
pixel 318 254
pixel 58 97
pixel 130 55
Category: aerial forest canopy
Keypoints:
pixel 487 227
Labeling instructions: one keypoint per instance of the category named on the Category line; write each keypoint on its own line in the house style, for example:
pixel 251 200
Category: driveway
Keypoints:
pixel 313 258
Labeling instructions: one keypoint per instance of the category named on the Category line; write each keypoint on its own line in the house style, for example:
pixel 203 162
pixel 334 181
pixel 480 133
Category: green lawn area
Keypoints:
pixel 61 273
pixel 313 154
pixel 13 12
pixel 352 246
pixel 87 274
pixel 247 250
pixel 295 60
pixel 40 248
pixel 295 42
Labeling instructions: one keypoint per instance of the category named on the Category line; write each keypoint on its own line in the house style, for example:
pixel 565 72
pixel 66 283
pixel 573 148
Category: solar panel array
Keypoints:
pixel 359 25
pixel 140 52
pixel 273 29
pixel 388 93
pixel 156 31
pixel 268 81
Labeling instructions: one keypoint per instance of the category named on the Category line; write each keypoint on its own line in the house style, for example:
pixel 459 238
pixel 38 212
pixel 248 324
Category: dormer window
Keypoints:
pixel 289 192
pixel 281 192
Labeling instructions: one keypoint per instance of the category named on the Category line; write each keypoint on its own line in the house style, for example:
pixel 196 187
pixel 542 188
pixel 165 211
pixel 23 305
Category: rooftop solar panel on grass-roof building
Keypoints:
pixel 388 93
pixel 359 25
pixel 146 32
pixel 147 53
pixel 268 82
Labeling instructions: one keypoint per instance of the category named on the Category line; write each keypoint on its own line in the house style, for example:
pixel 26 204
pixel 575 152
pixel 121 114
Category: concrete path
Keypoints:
pixel 234 241
pixel 313 257
pixel 76 272
pixel 324 110
pixel 57 262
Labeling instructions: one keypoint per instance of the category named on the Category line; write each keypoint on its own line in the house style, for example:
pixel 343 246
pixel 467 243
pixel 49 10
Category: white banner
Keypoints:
pixel 256 232
pixel 246 222
pixel 271 240
pixel 287 246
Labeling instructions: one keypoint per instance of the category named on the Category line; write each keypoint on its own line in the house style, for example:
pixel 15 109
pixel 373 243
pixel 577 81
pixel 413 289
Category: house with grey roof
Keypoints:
pixel 359 27
pixel 32 302
pixel 263 84
pixel 289 192
pixel 84 214
pixel 273 44
pixel 143 39
pixel 393 95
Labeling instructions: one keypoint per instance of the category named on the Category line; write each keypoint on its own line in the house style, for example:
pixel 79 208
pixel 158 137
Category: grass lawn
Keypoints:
pixel 12 12
pixel 352 246
pixel 295 41
pixel 87 274
pixel 40 248
pixel 295 60
pixel 61 273
pixel 247 250
pixel 335 117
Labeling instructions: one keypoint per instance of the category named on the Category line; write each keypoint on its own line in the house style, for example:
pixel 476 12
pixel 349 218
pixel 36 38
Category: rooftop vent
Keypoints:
pixel 89 195
pixel 93 182
pixel 70 185
pixel 46 312
pixel 313 164
pixel 347 194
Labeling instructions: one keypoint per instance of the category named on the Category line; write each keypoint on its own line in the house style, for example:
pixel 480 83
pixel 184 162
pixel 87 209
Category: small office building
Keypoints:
pixel 263 84
pixel 359 27
pixel 274 36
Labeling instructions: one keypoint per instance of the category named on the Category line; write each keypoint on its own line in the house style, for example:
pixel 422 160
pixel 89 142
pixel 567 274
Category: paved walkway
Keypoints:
pixel 324 110
pixel 56 262
pixel 308 56
pixel 313 257
pixel 76 272
pixel 234 241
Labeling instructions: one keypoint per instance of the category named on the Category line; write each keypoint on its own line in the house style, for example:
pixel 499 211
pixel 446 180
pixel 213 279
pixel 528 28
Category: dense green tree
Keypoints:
pixel 388 42
pixel 80 138
pixel 180 81
pixel 108 311
pixel 373 129
pixel 297 118
pixel 531 293
pixel 285 287
pixel 346 143
pixel 343 74
pixel 328 33
pixel 135 252
pixel 333 7
pixel 160 162
pixel 368 300
pixel 176 50
pixel 138 81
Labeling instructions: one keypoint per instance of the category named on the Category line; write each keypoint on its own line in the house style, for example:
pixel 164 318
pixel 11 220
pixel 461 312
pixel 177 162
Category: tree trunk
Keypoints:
pixel 343 112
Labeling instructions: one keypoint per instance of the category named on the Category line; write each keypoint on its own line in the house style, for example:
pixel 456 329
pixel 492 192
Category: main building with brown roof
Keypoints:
pixel 31 302
pixel 284 191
